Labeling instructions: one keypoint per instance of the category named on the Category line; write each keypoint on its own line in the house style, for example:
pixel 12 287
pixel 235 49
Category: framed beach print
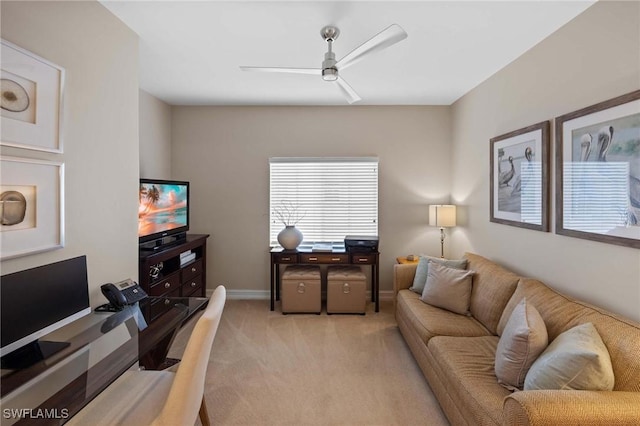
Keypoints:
pixel 31 206
pixel 519 167
pixel 31 101
pixel 598 172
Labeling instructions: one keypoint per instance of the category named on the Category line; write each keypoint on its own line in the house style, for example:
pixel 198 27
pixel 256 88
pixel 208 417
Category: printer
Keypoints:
pixel 361 244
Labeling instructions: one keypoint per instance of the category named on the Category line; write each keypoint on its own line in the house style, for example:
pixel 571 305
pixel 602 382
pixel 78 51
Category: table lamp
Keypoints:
pixel 443 216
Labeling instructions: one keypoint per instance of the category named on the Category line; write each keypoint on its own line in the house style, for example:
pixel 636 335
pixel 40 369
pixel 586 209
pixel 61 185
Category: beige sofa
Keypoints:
pixel 457 353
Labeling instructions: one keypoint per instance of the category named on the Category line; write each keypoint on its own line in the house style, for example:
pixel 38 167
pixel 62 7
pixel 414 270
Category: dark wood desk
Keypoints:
pixel 101 347
pixel 155 341
pixel 280 256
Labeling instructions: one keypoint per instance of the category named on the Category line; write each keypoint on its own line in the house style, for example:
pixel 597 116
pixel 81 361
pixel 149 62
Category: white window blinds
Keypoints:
pixel 332 197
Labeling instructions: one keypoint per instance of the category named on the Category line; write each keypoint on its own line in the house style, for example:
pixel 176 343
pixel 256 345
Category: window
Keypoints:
pixel 331 197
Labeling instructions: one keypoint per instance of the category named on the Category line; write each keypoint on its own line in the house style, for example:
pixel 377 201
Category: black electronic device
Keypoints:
pixel 127 292
pixel 361 244
pixel 36 302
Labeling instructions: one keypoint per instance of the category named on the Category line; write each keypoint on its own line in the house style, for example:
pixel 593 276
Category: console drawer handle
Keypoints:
pixel 313 258
pixel 193 284
pixel 286 258
pixel 167 285
pixel 362 259
pixel 166 302
pixel 335 259
pixel 193 269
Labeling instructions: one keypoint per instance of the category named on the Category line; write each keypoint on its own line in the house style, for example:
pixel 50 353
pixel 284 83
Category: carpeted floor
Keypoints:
pixel 272 369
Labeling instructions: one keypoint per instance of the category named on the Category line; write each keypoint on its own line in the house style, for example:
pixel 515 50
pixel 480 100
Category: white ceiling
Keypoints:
pixel 190 52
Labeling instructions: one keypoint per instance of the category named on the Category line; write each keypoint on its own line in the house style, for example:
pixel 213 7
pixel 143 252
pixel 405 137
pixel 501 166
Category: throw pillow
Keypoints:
pixel 523 339
pixel 448 288
pixel 577 359
pixel 423 269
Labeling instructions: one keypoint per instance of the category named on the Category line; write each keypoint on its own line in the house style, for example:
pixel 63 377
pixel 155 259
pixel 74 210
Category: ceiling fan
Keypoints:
pixel 331 68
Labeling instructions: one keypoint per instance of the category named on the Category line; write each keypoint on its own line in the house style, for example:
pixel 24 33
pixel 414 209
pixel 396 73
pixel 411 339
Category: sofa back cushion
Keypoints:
pixel 560 313
pixel 492 288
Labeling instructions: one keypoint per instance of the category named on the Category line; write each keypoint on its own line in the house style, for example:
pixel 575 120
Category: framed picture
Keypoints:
pixel 598 172
pixel 31 206
pixel 520 178
pixel 31 101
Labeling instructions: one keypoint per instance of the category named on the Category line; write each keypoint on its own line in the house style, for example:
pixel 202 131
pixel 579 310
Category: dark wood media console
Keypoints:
pixel 173 279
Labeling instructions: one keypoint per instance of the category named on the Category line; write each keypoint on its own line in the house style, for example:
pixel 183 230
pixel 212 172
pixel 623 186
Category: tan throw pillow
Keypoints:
pixel 422 270
pixel 448 288
pixel 577 359
pixel 523 339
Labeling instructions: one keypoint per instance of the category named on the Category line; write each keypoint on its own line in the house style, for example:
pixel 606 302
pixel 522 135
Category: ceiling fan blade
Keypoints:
pixel 347 91
pixel 310 71
pixel 387 37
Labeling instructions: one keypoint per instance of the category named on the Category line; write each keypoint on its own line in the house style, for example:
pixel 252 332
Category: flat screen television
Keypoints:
pixel 163 211
pixel 36 302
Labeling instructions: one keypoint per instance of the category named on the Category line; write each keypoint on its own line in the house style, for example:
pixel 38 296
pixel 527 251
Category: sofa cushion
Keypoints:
pixel 466 365
pixel 429 321
pixel 422 270
pixel 493 286
pixel 523 339
pixel 448 288
pixel 621 336
pixel 576 360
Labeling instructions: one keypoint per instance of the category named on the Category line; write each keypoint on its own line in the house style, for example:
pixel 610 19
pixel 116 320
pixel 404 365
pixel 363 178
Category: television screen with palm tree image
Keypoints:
pixel 163 209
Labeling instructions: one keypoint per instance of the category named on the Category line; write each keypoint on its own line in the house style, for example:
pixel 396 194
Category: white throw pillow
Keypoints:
pixel 448 288
pixel 577 359
pixel 523 340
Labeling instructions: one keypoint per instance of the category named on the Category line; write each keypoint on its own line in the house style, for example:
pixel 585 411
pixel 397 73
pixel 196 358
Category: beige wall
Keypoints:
pixel 100 131
pixel 426 153
pixel 593 58
pixel 155 137
pixel 224 152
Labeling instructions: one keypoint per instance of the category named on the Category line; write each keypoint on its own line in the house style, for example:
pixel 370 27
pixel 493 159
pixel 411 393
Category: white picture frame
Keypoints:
pixel 31 100
pixel 31 206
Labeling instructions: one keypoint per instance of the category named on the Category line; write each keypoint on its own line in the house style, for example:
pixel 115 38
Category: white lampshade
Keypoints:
pixel 442 215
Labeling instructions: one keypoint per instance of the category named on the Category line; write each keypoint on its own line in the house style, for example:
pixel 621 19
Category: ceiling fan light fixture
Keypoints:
pixel 329 74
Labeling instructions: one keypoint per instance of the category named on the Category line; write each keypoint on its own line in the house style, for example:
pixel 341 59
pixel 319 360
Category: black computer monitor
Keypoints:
pixel 36 302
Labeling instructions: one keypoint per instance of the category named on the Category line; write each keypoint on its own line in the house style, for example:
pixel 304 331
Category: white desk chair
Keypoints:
pixel 161 397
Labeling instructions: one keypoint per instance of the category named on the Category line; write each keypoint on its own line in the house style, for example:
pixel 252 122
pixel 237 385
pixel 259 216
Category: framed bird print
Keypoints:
pixel 598 172
pixel 519 167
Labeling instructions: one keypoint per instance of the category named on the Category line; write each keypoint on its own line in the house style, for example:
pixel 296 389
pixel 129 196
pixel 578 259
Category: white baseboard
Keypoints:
pixel 264 294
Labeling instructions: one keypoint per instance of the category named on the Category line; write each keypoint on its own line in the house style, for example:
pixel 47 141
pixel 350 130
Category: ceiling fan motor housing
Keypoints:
pixel 329 70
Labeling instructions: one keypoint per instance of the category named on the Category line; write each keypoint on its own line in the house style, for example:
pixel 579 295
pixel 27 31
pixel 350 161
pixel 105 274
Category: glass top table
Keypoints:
pixel 101 346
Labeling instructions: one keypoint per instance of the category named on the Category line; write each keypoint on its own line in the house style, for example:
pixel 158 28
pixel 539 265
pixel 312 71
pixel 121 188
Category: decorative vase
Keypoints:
pixel 290 237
